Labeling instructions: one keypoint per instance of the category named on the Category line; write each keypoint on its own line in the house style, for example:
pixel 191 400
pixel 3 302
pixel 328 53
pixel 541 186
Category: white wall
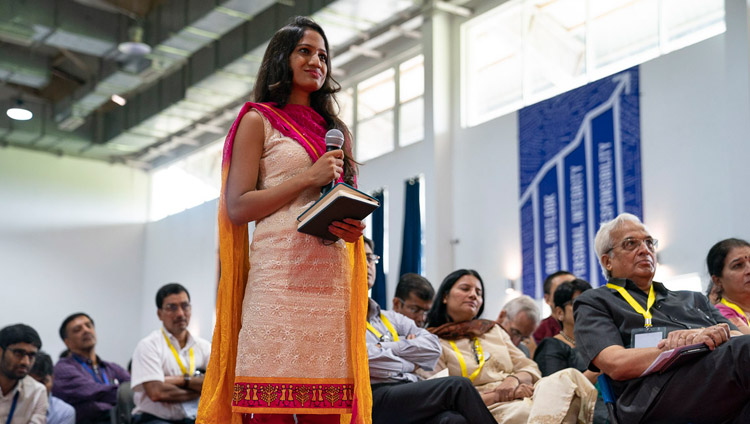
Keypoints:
pixel 71 238
pixel 182 248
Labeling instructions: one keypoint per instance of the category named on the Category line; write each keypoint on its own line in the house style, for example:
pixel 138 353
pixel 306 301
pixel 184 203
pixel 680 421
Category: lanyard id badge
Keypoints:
pixel 647 336
pixel 634 304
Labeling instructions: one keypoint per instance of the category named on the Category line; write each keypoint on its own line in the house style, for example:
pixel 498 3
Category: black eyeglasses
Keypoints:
pixel 630 244
pixel 174 307
pixel 20 353
pixel 414 309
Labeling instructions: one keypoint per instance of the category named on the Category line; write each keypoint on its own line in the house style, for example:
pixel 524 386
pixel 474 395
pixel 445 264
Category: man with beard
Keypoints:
pixel 168 364
pixel 82 378
pixel 22 399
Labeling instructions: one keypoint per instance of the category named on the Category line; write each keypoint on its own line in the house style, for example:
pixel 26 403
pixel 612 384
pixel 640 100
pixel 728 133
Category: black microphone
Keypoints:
pixel 334 140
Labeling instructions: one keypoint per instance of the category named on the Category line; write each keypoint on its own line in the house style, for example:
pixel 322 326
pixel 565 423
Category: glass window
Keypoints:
pixel 411 79
pixel 346 106
pixel 376 94
pixel 411 97
pixel 411 121
pixel 492 63
pixel 621 29
pixel 527 50
pixel 687 22
pixel 554 46
pixel 374 137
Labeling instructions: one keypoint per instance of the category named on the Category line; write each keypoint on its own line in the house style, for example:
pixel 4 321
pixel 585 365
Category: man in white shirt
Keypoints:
pixel 168 365
pixel 23 400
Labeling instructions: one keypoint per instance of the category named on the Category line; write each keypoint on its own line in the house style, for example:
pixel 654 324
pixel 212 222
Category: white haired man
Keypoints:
pixel 622 327
pixel 520 318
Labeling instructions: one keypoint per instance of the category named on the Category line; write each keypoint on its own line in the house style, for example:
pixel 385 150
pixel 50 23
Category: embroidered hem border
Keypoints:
pixel 259 396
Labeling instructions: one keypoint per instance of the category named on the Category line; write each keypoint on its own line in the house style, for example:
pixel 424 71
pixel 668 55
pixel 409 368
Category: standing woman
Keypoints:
pixel 728 264
pixel 289 336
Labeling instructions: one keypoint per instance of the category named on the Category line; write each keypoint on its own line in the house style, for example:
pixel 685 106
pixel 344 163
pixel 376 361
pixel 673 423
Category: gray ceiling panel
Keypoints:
pixel 203 63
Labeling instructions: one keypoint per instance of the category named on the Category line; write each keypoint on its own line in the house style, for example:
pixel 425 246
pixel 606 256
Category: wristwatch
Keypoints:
pixel 187 381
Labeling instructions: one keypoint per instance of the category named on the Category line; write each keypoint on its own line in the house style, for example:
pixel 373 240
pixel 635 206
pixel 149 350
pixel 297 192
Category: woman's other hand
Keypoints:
pixel 350 229
pixel 524 391
pixel 506 390
pixel 328 168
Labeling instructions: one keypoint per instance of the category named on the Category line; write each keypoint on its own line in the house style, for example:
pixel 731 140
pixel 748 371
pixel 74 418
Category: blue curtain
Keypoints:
pixel 411 249
pixel 378 227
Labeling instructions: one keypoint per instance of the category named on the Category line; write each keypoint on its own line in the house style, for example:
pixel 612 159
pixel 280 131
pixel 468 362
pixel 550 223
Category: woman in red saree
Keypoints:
pixel 289 336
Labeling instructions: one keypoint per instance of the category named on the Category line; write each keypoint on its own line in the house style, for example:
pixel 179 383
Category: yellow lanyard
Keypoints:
pixel 462 362
pixel 735 307
pixel 177 356
pixel 638 308
pixel 388 325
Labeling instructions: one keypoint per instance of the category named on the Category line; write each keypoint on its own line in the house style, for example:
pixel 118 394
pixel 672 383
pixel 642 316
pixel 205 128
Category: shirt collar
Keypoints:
pixel 176 343
pixel 17 388
pixel 373 308
pixel 659 289
pixel 87 361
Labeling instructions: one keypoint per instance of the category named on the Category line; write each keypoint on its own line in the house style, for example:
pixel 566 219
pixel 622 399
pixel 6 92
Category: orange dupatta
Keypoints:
pixel 234 256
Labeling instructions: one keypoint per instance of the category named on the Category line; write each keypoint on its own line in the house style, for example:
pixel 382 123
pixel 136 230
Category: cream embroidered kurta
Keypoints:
pixel 564 397
pixel 295 311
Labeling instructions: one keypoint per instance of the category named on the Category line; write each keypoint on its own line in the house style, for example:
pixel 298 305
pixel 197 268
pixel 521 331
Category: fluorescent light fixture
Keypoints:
pixel 18 112
pixel 119 100
pixel 132 48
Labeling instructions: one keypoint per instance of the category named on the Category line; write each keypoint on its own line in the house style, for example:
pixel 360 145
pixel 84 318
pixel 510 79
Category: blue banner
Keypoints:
pixel 580 165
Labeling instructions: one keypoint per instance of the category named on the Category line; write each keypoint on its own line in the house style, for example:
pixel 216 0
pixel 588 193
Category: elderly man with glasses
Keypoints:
pixel 168 364
pixel 623 327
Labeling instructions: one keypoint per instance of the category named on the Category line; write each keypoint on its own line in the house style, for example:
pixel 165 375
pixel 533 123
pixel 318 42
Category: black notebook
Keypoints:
pixel 343 201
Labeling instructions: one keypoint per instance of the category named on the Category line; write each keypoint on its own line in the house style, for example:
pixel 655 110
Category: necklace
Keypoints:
pixel 569 339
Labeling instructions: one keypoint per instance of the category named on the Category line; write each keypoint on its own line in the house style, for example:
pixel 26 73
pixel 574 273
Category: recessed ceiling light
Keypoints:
pixel 119 100
pixel 19 112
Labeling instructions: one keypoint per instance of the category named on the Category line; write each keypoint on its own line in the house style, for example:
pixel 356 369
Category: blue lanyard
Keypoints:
pixel 91 371
pixel 13 407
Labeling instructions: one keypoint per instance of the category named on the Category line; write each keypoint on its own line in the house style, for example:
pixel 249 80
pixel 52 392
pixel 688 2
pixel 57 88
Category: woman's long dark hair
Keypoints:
pixel 438 314
pixel 274 82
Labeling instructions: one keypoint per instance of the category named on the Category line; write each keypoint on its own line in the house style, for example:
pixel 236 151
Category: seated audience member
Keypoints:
pixel 728 264
pixel 615 329
pixel 23 400
pixel 508 381
pixel 413 297
pixel 519 318
pixel 559 352
pixel 550 326
pixel 58 412
pixel 168 363
pixel 396 348
pixel 82 378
